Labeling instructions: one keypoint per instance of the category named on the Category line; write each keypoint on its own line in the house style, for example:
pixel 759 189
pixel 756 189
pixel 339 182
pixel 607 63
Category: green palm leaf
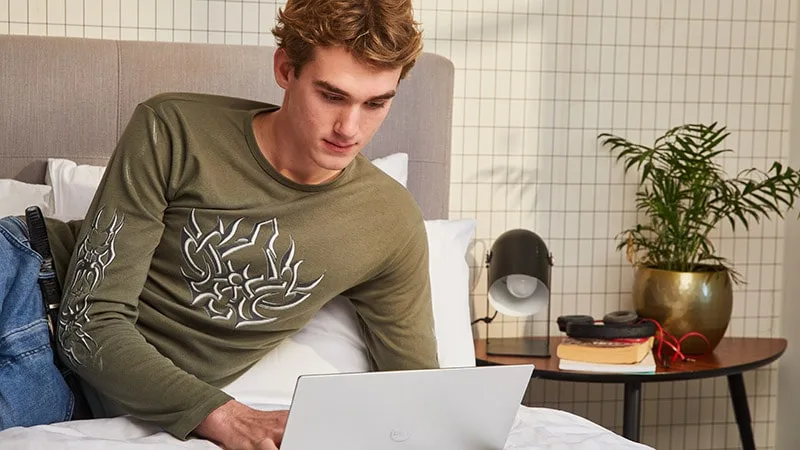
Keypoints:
pixel 684 193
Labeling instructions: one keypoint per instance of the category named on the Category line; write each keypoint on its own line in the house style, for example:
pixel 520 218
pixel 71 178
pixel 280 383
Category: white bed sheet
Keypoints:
pixel 533 429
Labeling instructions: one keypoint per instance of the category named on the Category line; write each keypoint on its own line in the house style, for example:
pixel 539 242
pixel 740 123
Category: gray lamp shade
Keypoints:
pixel 519 273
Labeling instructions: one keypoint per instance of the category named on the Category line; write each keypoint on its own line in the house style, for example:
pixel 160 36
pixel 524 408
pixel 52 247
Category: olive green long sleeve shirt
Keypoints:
pixel 197 257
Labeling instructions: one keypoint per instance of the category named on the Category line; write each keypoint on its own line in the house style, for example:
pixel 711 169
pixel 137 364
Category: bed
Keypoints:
pixel 64 104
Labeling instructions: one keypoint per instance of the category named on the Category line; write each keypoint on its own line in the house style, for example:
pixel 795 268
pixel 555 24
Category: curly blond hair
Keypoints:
pixel 380 33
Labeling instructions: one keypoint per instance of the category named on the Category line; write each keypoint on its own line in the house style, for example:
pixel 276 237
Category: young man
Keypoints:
pixel 223 225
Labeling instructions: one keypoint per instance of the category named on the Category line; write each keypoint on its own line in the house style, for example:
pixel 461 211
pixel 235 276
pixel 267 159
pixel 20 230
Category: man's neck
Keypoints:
pixel 278 149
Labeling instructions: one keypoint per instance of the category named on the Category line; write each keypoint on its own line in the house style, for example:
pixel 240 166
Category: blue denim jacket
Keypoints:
pixel 32 390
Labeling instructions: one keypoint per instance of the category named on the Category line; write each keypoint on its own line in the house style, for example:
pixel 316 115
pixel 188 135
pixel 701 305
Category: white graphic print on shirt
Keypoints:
pixel 231 292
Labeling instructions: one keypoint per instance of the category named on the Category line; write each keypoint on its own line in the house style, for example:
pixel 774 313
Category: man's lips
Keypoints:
pixel 339 146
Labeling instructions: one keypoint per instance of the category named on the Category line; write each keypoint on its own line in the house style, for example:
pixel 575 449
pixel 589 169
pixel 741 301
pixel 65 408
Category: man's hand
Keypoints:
pixel 235 426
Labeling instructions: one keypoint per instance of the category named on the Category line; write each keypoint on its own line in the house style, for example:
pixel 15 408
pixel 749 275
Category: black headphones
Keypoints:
pixel 615 325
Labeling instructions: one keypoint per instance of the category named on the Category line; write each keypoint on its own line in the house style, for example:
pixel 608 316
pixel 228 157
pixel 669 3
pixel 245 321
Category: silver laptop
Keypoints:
pixel 470 408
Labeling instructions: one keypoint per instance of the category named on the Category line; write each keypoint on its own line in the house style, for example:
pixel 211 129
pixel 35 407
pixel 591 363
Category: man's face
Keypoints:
pixel 333 108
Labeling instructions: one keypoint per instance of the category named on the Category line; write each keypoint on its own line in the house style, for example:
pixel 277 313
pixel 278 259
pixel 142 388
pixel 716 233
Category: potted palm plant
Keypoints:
pixel 683 194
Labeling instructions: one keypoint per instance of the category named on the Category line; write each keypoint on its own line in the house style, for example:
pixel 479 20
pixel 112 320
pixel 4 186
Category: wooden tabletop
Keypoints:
pixel 732 355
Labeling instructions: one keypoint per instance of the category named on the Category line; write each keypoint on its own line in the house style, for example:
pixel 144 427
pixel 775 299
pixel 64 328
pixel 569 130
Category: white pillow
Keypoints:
pixel 448 241
pixel 331 342
pixel 73 187
pixel 16 196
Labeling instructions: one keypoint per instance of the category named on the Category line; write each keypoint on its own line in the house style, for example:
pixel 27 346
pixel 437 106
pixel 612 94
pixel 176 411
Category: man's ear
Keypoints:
pixel 282 67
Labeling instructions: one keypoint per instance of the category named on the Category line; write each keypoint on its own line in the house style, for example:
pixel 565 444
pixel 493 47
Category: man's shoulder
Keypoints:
pixel 167 103
pixel 389 191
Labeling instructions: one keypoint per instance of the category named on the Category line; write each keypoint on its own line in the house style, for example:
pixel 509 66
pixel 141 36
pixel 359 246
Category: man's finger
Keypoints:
pixel 268 444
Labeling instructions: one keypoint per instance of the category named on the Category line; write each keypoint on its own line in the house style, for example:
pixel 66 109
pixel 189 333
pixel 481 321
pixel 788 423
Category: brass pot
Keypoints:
pixel 683 302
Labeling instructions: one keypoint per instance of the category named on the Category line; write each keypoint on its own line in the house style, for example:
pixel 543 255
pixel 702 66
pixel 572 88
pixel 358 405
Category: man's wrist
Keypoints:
pixel 213 427
pixel 188 421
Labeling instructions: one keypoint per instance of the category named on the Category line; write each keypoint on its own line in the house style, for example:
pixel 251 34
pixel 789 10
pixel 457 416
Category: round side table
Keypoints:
pixel 731 358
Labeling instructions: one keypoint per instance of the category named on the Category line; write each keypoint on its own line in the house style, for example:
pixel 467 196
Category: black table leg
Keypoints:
pixel 632 412
pixel 741 410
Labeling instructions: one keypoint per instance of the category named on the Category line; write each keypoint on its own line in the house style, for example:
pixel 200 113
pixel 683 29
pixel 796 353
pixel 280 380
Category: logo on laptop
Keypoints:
pixel 220 280
pixel 399 435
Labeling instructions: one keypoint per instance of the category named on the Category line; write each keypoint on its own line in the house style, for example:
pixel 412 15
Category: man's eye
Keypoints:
pixel 331 98
pixel 376 105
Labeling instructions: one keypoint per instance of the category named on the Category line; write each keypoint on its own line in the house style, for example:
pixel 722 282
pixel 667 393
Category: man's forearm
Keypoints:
pixel 116 360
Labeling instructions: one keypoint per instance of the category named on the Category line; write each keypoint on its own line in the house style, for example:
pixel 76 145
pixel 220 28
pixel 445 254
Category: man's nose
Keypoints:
pixel 347 122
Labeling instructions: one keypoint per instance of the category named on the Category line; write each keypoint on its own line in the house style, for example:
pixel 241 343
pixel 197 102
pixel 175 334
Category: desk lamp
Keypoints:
pixel 519 267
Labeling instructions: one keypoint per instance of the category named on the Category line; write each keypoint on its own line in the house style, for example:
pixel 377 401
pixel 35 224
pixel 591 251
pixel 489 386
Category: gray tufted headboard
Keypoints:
pixel 71 97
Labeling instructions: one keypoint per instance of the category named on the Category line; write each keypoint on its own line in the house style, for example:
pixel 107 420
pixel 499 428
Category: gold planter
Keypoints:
pixel 683 302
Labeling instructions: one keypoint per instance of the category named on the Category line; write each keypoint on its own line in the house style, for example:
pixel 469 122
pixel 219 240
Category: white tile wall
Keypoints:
pixel 535 83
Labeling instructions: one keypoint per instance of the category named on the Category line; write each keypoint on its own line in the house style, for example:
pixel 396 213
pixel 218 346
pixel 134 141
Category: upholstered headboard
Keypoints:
pixel 71 98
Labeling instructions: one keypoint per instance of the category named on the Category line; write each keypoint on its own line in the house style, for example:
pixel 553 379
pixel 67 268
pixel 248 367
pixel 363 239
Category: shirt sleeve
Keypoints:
pixel 396 309
pixel 96 335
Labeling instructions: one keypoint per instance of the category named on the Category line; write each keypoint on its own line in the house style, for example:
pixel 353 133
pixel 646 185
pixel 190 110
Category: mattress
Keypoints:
pixel 533 429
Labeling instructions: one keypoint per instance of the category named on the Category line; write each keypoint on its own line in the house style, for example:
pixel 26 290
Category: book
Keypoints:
pixel 646 366
pixel 604 351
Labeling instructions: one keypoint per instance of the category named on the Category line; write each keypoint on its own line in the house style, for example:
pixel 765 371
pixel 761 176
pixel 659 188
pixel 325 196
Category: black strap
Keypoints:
pixel 51 291
pixel 51 296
